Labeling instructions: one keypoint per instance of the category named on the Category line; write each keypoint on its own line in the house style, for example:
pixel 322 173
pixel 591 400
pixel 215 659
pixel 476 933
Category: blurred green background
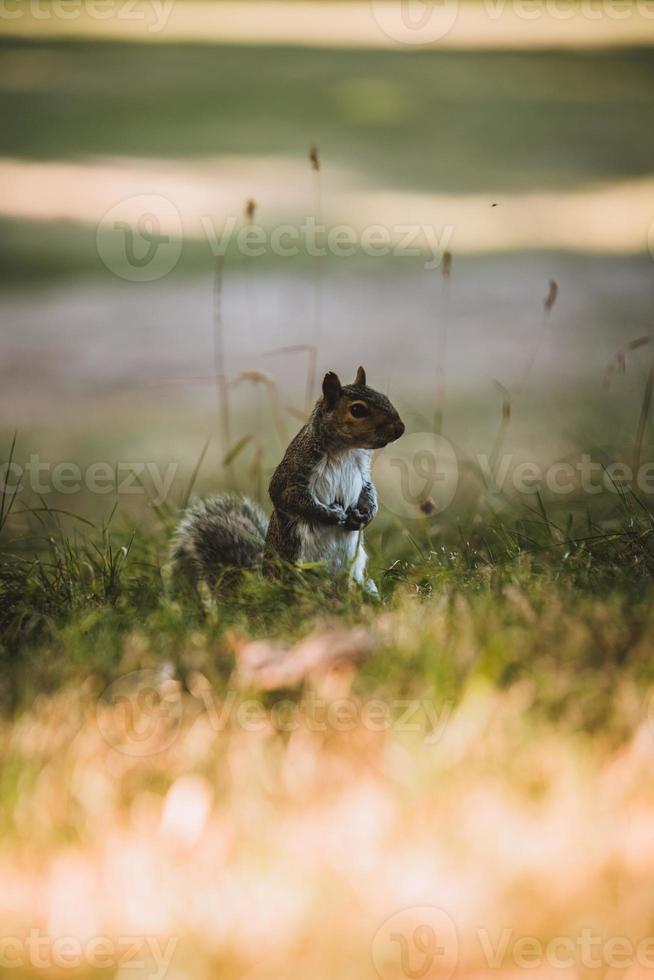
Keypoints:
pixel 496 122
pixel 434 120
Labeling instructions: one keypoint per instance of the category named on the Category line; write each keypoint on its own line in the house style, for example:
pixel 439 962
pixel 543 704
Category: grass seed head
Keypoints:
pixel 618 363
pixel 550 299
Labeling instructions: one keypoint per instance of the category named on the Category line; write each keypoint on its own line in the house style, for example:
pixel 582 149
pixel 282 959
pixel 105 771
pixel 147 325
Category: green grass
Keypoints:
pixel 503 601
pixel 533 660
pixel 425 121
pixel 448 121
pixel 510 654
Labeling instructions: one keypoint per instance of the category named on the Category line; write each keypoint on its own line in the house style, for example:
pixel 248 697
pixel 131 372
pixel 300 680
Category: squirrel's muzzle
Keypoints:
pixel 391 431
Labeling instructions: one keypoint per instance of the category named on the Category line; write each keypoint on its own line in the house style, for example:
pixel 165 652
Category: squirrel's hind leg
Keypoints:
pixel 358 568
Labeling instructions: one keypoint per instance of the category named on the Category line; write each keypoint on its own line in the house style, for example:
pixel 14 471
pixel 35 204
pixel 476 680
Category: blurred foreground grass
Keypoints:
pixel 264 791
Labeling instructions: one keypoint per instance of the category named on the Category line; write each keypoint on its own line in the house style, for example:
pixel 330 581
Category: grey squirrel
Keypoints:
pixel 322 494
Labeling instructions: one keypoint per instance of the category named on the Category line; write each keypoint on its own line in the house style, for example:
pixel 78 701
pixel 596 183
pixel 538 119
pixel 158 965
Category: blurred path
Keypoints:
pixel 201 197
pixel 65 347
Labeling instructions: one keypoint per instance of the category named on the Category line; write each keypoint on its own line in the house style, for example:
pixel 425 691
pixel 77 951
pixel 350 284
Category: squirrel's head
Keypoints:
pixel 356 415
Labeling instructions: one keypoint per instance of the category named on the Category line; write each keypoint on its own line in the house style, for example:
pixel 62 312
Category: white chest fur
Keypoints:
pixel 337 478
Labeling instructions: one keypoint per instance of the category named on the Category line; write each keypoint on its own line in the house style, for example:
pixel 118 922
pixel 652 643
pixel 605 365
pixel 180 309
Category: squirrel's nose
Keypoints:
pixel 398 428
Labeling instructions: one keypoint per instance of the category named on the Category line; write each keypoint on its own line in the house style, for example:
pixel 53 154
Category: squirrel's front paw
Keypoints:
pixel 338 513
pixel 357 519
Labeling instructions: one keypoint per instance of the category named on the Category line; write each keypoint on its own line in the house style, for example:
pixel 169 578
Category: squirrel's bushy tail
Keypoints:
pixel 216 536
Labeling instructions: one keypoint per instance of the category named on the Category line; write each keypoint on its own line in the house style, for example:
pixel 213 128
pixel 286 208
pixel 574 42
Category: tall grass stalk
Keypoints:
pixel 194 475
pixel 248 218
pixel 548 305
pixel 441 350
pixel 312 356
pixel 643 417
pixel 222 386
pixel 618 365
pixel 505 421
pixel 256 470
pixel 7 501
pixel 312 366
pixel 274 401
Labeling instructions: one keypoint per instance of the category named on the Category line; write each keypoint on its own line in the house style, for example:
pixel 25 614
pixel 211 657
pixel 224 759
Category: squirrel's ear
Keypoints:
pixel 331 388
pixel 361 377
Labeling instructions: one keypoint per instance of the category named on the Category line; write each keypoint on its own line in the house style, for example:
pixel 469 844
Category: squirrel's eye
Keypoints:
pixel 359 410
